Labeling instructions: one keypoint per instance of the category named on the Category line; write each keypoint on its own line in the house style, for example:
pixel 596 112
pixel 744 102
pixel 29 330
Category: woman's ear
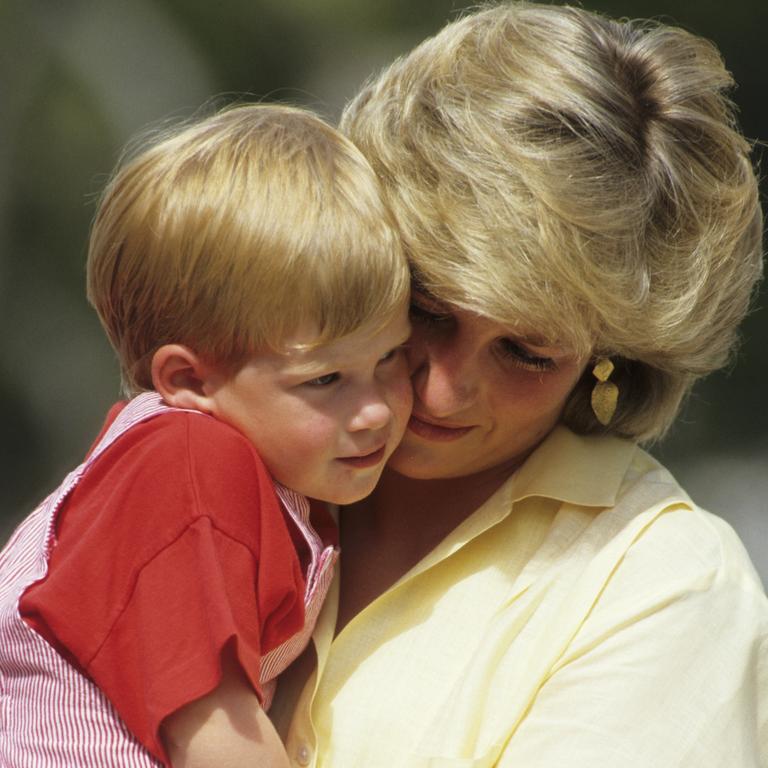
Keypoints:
pixel 182 379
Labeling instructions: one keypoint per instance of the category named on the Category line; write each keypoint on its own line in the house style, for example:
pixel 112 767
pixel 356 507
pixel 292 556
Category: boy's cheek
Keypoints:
pixel 404 397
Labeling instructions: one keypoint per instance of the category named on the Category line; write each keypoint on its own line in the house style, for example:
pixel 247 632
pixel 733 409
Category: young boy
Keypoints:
pixel 252 283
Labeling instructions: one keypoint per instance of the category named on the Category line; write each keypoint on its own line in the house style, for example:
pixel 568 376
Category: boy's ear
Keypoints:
pixel 182 379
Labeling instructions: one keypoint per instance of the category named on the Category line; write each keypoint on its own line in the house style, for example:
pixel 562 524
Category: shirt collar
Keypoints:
pixel 586 471
pixel 583 470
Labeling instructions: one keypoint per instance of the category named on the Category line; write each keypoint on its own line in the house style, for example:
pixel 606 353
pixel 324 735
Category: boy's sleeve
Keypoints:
pixel 191 551
pixel 164 649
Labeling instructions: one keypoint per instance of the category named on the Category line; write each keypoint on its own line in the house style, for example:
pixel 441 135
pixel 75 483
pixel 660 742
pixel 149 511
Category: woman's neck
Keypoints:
pixel 424 512
pixel 385 535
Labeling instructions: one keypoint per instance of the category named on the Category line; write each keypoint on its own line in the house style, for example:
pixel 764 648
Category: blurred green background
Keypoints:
pixel 79 78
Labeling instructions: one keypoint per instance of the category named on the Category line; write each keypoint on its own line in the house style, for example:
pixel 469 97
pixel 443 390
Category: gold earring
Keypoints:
pixel 605 395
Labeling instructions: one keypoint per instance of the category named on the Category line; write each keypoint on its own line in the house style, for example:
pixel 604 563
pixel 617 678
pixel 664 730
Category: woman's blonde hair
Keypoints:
pixel 232 232
pixel 555 170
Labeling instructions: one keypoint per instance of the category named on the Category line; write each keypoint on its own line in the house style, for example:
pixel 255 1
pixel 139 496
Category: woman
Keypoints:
pixel 527 587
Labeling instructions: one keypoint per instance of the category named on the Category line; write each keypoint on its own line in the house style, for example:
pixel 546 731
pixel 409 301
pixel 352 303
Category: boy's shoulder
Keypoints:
pixel 169 471
pixel 185 448
pixel 180 435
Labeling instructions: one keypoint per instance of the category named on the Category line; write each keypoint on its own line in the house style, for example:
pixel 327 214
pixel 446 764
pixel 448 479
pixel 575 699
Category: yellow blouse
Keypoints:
pixel 588 615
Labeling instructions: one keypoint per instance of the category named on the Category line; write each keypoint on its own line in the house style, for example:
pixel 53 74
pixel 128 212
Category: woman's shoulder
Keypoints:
pixel 672 528
pixel 658 559
pixel 656 565
pixel 686 549
pixel 622 510
pixel 650 547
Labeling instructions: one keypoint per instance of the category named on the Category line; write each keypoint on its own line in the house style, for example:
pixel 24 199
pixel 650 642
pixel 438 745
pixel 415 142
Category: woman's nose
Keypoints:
pixel 444 377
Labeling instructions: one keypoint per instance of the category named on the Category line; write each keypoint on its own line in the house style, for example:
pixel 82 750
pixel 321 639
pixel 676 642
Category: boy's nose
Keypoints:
pixel 373 413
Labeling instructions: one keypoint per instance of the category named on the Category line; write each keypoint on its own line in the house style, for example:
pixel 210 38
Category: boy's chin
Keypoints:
pixel 345 497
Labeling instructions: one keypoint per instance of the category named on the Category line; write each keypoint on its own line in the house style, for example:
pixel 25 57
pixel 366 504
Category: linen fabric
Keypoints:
pixel 168 543
pixel 588 615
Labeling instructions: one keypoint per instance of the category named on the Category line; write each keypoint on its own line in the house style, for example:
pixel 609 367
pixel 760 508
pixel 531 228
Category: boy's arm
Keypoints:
pixel 227 728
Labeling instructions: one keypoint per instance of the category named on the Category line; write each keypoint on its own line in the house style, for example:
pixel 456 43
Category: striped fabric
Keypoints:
pixel 52 716
pixel 318 578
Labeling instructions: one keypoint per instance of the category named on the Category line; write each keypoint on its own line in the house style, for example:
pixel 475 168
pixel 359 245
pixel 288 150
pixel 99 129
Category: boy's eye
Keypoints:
pixel 324 380
pixel 522 358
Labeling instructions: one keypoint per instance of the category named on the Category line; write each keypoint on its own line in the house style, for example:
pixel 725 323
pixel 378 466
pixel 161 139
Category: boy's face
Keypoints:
pixel 324 420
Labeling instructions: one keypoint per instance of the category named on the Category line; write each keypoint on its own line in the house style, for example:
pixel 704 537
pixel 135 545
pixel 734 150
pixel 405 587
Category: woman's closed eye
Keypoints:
pixel 521 357
pixel 425 316
pixel 392 354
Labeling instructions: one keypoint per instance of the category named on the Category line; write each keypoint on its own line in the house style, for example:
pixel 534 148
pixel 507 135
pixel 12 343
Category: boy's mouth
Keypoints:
pixel 366 460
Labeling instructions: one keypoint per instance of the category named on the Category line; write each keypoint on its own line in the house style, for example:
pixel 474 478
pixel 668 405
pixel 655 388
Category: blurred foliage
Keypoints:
pixel 79 78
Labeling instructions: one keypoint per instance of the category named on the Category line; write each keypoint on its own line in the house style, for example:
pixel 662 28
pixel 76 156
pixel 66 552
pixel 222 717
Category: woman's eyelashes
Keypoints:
pixel 516 353
pixel 509 350
pixel 421 314
pixel 393 353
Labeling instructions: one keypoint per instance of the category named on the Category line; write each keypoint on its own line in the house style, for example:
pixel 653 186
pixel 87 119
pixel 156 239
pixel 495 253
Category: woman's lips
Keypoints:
pixel 435 432
pixel 362 462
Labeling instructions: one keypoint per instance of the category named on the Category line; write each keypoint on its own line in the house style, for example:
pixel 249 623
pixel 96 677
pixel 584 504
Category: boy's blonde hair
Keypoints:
pixel 235 231
pixel 584 178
